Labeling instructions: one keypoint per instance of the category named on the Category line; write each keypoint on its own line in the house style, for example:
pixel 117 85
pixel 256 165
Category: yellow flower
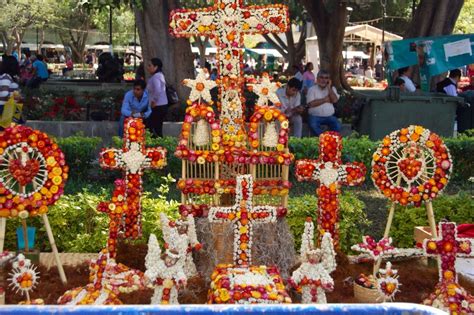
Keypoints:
pixel 280 147
pixel 256 294
pixel 168 283
pixel 224 295
pixel 284 124
pixel 54 189
pixel 51 161
pixel 57 171
pixel 57 180
pixel 419 130
pixel 243 230
pixel 201 160
pixel 268 115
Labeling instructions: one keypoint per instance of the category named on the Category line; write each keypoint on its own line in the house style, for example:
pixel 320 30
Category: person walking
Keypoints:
pixel 156 88
pixel 308 77
pixel 321 98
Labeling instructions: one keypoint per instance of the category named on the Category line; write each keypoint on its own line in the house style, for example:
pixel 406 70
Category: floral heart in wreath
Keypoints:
pixel 24 173
pixel 410 168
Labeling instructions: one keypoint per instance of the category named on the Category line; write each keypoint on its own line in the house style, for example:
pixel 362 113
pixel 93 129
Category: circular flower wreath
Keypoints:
pixel 269 114
pixel 411 165
pixel 33 172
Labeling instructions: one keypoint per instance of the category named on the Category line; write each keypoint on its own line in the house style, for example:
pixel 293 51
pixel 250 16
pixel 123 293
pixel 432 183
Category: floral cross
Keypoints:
pixel 243 216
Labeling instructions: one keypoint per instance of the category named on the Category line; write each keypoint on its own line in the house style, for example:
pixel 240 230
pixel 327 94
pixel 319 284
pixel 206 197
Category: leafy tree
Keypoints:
pixel 123 24
pixel 465 22
pixel 19 15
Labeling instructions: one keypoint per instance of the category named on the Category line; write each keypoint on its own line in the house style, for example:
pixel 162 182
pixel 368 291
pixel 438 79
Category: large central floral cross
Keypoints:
pixel 133 159
pixel 228 21
pixel 243 216
pixel 329 171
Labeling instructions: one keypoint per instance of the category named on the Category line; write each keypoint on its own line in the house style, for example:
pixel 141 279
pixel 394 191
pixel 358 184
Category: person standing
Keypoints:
pixel 290 99
pixel 156 88
pixel 135 104
pixel 404 74
pixel 378 70
pixel 308 77
pixel 321 98
pixel 9 70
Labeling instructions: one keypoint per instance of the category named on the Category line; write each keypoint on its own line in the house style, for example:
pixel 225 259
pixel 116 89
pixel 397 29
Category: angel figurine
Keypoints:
pixel 313 277
pixel 185 227
pixel 166 270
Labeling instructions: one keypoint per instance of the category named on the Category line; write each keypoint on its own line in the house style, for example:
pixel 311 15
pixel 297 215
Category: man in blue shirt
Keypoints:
pixel 135 104
pixel 40 72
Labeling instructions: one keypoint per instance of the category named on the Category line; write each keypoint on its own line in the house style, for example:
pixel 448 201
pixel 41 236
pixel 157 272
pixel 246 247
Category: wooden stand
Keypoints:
pixel 3 223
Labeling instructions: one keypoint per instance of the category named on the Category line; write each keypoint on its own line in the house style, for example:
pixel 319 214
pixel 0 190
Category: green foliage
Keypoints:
pixel 465 21
pixel 457 208
pixel 80 152
pixel 351 227
pixel 78 227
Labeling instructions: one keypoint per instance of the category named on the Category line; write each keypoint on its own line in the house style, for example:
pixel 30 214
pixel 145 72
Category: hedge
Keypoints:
pixel 82 151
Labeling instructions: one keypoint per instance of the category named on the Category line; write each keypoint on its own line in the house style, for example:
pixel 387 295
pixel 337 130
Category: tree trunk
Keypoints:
pixel 201 45
pixel 176 54
pixel 41 41
pixel 293 53
pixel 329 21
pixel 433 18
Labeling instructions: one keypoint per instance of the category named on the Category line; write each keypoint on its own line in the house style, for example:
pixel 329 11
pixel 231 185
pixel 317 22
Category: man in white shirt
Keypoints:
pixel 320 100
pixel 404 74
pixel 290 99
pixel 449 85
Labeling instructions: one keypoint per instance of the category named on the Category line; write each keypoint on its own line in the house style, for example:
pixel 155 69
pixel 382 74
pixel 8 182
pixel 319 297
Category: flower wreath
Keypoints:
pixel 33 172
pixel 193 114
pixel 416 157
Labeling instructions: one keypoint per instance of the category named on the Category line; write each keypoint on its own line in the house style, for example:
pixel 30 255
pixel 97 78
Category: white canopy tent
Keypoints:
pixel 354 34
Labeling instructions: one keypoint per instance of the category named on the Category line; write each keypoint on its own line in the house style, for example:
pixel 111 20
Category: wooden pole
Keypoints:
pixel 62 275
pixel 3 226
pixel 431 218
pixel 25 235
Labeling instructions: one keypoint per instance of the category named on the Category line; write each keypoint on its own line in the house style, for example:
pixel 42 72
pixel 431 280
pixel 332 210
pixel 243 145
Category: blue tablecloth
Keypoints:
pixel 353 309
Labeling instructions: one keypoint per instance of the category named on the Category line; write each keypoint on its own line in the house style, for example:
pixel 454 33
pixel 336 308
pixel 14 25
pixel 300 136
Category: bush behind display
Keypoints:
pixel 82 151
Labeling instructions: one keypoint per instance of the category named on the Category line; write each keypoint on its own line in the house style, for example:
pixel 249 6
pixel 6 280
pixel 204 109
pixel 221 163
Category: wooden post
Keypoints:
pixel 3 226
pixel 23 222
pixel 62 275
pixel 431 218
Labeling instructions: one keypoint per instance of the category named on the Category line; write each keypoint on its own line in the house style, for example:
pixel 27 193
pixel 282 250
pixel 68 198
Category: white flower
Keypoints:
pixel 200 87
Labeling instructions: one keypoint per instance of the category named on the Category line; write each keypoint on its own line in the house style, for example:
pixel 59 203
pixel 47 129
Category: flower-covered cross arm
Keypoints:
pixel 354 173
pixel 375 249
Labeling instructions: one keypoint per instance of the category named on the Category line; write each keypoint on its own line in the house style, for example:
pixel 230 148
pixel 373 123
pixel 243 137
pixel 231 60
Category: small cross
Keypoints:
pixel 330 173
pixel 228 21
pixel 133 159
pixel 447 247
pixel 243 216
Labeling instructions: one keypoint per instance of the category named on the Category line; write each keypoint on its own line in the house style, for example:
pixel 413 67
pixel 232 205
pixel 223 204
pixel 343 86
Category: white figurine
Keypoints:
pixel 313 276
pixel 184 227
pixel 165 270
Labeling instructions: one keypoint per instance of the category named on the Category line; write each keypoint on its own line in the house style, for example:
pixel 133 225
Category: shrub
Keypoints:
pixel 352 225
pixel 456 208
pixel 78 227
pixel 80 153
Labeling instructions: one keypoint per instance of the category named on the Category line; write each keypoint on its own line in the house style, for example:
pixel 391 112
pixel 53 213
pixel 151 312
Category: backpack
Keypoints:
pixel 172 95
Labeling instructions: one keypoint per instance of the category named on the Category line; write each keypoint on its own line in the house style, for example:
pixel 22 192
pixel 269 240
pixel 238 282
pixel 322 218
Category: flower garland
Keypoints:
pixel 133 159
pixel 247 285
pixel 24 276
pixel 243 216
pixel 329 172
pixel 449 295
pixel 274 187
pixel 269 114
pixel 166 272
pixel 411 165
pixel 202 210
pixel 33 172
pixel 89 295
